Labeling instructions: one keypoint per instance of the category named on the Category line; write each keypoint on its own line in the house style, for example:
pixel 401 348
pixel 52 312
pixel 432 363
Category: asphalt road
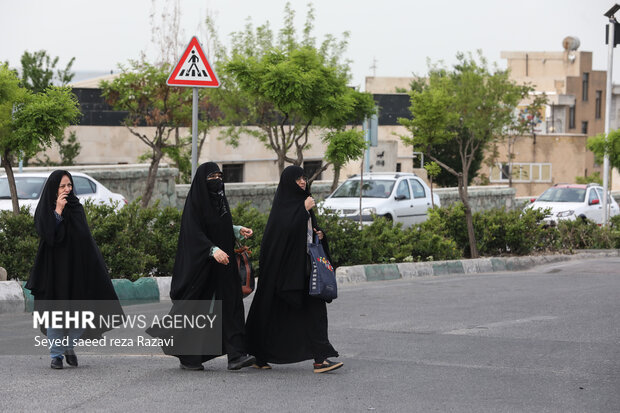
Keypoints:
pixel 545 340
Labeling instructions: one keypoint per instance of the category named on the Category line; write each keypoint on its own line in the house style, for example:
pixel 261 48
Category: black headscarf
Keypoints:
pixel 206 222
pixel 68 265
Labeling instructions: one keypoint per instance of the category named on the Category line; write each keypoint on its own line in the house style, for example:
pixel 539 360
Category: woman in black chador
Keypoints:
pixel 68 265
pixel 285 324
pixel 203 270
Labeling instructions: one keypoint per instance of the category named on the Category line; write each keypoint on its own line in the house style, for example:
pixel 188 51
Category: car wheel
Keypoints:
pixel 388 217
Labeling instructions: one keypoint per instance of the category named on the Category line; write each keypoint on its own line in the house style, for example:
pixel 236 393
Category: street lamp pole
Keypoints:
pixel 611 42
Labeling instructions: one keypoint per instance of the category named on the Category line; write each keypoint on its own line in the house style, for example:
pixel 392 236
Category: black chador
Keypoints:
pixel 285 324
pixel 197 277
pixel 68 265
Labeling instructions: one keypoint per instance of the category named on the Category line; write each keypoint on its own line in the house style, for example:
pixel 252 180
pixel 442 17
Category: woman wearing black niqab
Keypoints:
pixel 202 267
pixel 285 324
pixel 68 265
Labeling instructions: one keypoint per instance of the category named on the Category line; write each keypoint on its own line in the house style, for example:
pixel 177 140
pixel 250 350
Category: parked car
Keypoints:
pixel 572 201
pixel 398 196
pixel 30 185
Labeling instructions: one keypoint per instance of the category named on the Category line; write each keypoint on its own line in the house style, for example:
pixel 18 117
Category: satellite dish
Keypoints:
pixel 570 43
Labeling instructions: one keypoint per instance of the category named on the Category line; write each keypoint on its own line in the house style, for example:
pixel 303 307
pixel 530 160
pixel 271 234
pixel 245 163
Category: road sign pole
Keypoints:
pixel 194 131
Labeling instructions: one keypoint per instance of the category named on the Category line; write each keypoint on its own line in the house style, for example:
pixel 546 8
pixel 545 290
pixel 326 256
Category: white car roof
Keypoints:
pixel 42 174
pixel 384 175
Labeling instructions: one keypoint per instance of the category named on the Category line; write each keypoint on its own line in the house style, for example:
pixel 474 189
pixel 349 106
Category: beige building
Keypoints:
pixel 575 111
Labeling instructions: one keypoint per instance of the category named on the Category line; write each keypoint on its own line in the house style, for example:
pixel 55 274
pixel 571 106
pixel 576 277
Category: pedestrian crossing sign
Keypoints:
pixel 193 69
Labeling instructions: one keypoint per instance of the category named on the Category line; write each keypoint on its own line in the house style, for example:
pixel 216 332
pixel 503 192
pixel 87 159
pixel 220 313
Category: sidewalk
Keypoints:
pixel 15 298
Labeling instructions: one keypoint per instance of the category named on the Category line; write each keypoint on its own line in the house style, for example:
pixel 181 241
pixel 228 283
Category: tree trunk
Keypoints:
pixel 152 177
pixel 280 164
pixel 336 179
pixel 432 197
pixel 473 248
pixel 6 161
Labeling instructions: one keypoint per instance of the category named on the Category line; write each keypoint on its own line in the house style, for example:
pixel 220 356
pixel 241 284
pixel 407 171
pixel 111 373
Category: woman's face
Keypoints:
pixel 301 181
pixel 65 186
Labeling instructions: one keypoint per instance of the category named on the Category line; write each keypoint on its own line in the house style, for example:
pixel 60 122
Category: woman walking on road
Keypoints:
pixel 286 324
pixel 69 271
pixel 203 269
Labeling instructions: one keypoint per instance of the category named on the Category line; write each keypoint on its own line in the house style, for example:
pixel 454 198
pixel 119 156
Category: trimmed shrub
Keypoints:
pixel 584 234
pixel 18 243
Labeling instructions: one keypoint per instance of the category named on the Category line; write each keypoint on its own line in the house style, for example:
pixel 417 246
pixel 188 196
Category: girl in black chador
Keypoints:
pixel 203 269
pixel 69 268
pixel 285 324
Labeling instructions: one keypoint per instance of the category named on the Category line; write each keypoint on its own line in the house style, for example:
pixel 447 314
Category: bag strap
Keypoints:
pixel 316 238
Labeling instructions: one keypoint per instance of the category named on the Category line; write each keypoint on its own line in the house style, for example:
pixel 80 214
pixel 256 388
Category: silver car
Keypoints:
pixel 30 185
pixel 398 196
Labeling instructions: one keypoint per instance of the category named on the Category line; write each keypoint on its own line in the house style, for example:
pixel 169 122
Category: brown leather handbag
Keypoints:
pixel 244 268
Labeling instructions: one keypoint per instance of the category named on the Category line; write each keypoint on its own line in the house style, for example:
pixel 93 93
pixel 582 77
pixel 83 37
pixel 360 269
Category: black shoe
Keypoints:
pixel 56 363
pixel 326 366
pixel 241 362
pixel 71 358
pixel 195 367
pixel 259 364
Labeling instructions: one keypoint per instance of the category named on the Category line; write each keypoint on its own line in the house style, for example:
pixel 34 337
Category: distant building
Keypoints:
pixel 575 111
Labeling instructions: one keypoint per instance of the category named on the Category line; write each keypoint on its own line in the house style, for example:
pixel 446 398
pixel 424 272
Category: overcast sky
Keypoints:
pixel 399 34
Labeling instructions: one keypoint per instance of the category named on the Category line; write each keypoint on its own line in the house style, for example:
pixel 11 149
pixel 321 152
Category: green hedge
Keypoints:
pixel 139 241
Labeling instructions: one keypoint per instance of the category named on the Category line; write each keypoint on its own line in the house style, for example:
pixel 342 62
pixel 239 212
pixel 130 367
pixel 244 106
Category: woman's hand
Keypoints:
pixel 246 232
pixel 221 257
pixel 309 203
pixel 60 203
pixel 319 233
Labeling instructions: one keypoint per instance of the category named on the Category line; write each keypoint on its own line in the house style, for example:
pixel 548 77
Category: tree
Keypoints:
pixel 141 90
pixel 30 120
pixel 432 170
pixel 468 106
pixel 447 151
pixel 286 88
pixel 342 146
pixel 610 144
pixel 38 71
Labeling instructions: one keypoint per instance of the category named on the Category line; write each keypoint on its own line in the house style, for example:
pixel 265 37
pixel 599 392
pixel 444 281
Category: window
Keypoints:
pixel 597 106
pixel 584 89
pixel 521 172
pixel 584 127
pixel 593 196
pixel 27 187
pixel 83 186
pixel 571 117
pixel 232 172
pixel 310 167
pixel 398 167
pixel 418 189
pixel 402 190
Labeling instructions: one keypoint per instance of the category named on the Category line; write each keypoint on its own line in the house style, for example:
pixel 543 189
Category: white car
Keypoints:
pixel 572 201
pixel 30 185
pixel 398 196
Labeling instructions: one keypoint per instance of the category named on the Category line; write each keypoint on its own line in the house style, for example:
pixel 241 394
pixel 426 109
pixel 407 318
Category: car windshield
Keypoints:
pixel 373 188
pixel 557 194
pixel 28 187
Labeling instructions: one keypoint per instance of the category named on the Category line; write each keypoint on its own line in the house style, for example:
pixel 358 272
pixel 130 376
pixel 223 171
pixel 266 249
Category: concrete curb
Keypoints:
pixel 408 270
pixel 14 298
